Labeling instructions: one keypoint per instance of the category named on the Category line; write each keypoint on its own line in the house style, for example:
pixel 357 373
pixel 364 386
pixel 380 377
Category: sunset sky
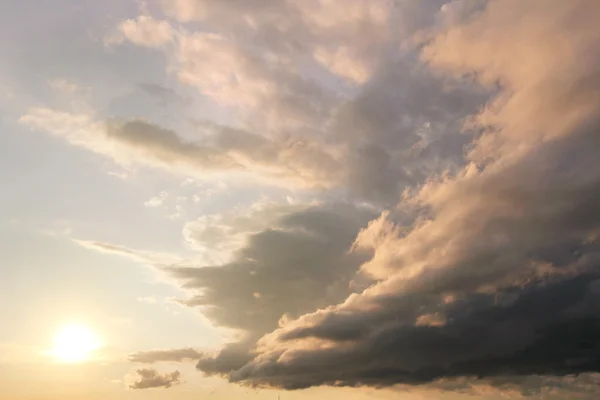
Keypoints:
pixel 311 199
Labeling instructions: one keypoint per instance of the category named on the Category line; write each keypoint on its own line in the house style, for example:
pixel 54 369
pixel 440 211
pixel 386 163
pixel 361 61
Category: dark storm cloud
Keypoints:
pixel 405 125
pixel 482 339
pixel 150 378
pixel 499 276
pixel 299 264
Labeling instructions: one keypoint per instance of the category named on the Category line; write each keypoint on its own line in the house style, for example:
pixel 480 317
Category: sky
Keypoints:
pixel 310 199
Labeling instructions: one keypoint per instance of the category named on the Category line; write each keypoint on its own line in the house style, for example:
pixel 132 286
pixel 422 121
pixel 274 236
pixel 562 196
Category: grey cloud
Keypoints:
pixel 271 94
pixel 289 161
pixel 350 40
pixel 282 161
pixel 147 378
pixel 482 340
pixel 216 236
pixel 166 96
pixel 504 252
pixel 577 386
pixel 299 263
pixel 230 358
pixel 402 127
pixel 177 355
pixel 166 146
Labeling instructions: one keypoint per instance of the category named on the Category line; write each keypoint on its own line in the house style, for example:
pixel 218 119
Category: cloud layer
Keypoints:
pixel 498 276
pixel 454 146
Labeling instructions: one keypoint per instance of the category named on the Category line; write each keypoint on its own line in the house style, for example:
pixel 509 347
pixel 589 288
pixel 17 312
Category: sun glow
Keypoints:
pixel 75 343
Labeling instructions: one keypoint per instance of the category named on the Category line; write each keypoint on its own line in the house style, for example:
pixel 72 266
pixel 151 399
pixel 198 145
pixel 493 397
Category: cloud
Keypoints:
pixel 582 386
pixel 170 355
pixel 293 259
pixel 120 175
pixel 157 200
pixel 403 124
pixel 296 262
pixel 491 271
pixel 147 257
pixel 402 127
pixel 147 378
pixel 469 126
pixel 266 87
pixel 347 40
pixel 217 236
pixel 65 86
pixel 287 162
pixel 165 95
pixel 147 31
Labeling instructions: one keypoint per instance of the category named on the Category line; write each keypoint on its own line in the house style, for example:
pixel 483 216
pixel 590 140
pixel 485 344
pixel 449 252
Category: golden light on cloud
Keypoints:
pixel 75 343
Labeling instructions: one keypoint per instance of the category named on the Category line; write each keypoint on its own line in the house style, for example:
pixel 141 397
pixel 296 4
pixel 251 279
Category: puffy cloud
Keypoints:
pixel 290 259
pixel 169 355
pixel 402 125
pixel 260 55
pixel 217 236
pixel 349 38
pixel 496 273
pixel 156 200
pixel 296 263
pixel 270 90
pixel 549 79
pixel 147 378
pixel 147 31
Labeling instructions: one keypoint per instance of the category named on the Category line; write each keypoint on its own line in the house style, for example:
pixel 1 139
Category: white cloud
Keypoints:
pixel 142 256
pixel 157 200
pixel 147 31
pixel 121 175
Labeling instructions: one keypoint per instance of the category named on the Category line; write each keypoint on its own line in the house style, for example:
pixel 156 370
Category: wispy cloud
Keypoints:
pixel 176 355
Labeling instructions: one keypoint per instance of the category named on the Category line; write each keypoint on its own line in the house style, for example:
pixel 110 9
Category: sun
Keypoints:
pixel 75 343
